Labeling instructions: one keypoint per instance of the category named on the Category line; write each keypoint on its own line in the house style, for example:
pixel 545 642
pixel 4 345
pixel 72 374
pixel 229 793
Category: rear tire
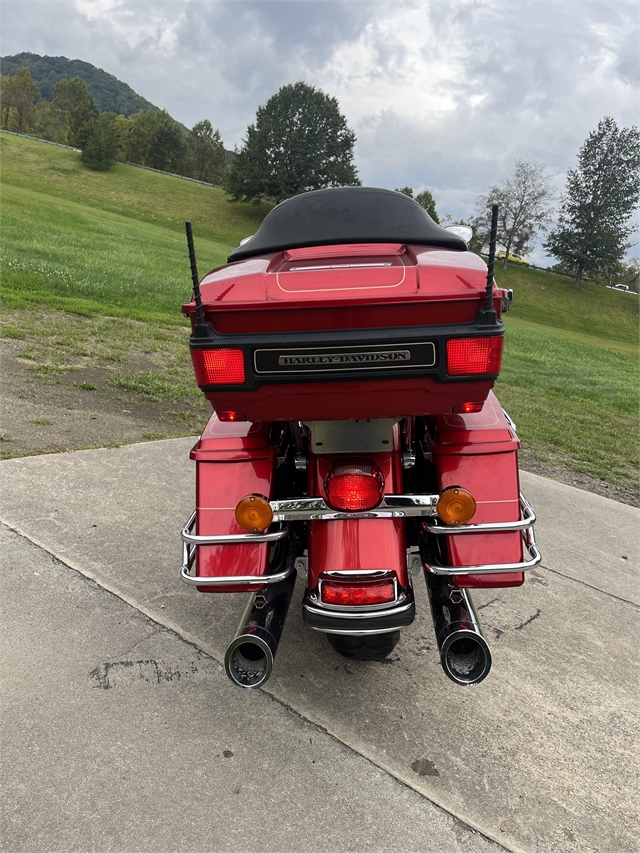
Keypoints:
pixel 364 647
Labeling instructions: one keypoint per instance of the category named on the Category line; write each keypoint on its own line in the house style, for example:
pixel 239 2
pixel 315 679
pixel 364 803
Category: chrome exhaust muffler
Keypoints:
pixel 248 661
pixel 464 653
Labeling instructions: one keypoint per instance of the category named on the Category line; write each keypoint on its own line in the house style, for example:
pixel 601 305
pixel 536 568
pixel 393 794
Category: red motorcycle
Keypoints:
pixel 349 349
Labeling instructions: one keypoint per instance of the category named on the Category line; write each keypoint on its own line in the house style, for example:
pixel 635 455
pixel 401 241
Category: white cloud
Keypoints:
pixel 441 95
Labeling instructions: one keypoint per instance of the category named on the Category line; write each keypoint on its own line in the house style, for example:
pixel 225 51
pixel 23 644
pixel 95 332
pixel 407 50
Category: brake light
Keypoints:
pixel 357 591
pixel 464 408
pixel 467 356
pixel 354 486
pixel 231 416
pixel 218 366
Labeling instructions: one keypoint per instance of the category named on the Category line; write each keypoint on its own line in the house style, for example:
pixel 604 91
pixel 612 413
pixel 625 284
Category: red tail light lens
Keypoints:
pixel 229 417
pixel 354 486
pixel 467 408
pixel 357 591
pixel 468 356
pixel 218 366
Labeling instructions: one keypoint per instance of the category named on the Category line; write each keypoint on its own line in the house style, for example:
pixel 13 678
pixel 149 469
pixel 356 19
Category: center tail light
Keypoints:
pixel 358 590
pixel 470 356
pixel 218 366
pixel 354 486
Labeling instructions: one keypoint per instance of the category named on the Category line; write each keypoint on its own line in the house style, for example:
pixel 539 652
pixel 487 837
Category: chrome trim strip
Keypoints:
pixel 322 610
pixel 355 633
pixel 392 506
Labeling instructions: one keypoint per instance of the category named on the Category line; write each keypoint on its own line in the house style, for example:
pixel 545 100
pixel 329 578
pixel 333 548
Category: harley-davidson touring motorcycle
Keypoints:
pixel 349 349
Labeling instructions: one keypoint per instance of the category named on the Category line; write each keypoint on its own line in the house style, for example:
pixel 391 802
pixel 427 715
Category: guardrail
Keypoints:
pixel 124 162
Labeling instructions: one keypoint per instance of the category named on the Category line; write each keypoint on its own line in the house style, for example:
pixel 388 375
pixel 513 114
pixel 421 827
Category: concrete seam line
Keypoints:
pixel 590 586
pixel 467 823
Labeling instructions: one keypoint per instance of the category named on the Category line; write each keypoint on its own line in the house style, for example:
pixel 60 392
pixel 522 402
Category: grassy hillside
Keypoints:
pixel 548 300
pixel 107 242
pixel 112 245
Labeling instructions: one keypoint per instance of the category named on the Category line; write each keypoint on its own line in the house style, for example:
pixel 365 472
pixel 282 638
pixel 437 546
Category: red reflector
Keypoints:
pixel 358 592
pixel 231 416
pixel 354 487
pixel 467 408
pixel 218 366
pixel 474 355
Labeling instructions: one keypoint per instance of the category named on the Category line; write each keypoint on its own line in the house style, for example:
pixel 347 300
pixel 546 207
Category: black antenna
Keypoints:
pixel 487 314
pixel 201 329
pixel 194 275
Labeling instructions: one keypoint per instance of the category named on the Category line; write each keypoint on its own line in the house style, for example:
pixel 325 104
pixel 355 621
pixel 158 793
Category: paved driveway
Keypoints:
pixel 122 733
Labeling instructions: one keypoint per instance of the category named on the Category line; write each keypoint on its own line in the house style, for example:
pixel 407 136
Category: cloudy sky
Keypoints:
pixel 443 94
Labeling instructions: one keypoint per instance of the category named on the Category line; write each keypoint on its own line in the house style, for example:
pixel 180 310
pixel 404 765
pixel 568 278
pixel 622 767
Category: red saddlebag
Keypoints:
pixel 232 460
pixel 480 453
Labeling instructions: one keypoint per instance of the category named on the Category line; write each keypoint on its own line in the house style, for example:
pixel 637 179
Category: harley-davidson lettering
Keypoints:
pixel 344 358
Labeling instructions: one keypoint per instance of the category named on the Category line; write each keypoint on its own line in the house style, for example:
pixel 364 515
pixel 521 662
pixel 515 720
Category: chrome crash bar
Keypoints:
pixel 392 506
pixel 525 526
pixel 190 541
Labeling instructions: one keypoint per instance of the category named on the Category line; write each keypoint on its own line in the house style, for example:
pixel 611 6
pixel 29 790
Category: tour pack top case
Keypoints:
pixel 347 303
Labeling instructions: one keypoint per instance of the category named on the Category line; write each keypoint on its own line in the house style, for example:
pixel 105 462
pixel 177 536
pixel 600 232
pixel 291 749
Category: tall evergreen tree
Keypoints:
pixel 300 141
pixel 19 96
pixel 600 198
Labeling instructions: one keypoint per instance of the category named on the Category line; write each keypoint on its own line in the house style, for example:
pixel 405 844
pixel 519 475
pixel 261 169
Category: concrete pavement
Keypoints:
pixel 539 757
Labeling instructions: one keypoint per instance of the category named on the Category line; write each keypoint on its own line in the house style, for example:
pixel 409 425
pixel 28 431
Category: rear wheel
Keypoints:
pixel 364 647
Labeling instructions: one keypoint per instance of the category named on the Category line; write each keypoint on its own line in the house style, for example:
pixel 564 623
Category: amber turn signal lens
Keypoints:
pixel 254 513
pixel 456 505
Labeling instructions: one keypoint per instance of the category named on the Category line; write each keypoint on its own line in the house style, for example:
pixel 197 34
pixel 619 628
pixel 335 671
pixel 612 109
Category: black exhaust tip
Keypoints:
pixel 464 653
pixel 248 661
pixel 465 657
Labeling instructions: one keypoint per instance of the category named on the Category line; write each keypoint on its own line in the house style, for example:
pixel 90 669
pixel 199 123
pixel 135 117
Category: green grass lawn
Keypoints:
pixel 112 245
pixel 107 242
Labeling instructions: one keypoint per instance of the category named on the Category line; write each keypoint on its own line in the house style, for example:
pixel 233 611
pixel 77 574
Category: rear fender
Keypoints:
pixel 479 452
pixel 356 545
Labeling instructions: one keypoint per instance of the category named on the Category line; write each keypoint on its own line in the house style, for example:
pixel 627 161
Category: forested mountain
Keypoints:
pixel 109 94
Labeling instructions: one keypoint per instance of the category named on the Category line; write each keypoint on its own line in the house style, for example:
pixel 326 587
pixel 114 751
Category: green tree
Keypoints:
pixel 425 199
pixel 206 157
pixel 100 149
pixel 524 208
pixel 5 108
pixel 73 107
pixel 300 141
pixel 167 147
pixel 19 96
pixel 600 198
pixel 135 134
